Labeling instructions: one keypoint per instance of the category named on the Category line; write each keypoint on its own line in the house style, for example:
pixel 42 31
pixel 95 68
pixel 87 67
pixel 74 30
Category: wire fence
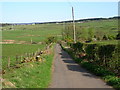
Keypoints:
pixel 12 61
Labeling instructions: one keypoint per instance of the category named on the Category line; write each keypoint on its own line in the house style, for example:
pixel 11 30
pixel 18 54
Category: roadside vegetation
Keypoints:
pixel 35 74
pixel 96 49
pixel 27 55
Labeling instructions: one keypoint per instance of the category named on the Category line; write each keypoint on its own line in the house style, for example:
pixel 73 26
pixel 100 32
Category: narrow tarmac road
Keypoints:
pixel 68 74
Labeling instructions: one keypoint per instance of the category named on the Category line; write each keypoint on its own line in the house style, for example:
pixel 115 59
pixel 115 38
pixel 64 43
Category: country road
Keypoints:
pixel 68 74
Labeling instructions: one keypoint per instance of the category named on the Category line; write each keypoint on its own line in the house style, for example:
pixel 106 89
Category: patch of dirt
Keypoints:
pixel 21 42
pixel 12 41
pixel 7 42
pixel 29 36
pixel 8 83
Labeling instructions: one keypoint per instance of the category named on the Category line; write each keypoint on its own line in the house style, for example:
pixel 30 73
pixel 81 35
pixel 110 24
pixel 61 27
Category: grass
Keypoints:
pixel 20 49
pixel 11 50
pixel 31 75
pixel 98 28
pixel 41 31
pixel 105 42
pixel 38 33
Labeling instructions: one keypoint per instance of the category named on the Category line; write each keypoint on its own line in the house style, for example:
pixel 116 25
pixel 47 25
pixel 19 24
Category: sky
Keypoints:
pixel 27 12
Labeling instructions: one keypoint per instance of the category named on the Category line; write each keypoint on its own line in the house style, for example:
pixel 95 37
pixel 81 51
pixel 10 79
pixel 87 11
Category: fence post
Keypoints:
pixel 33 54
pixel 8 62
pixel 21 57
pixel 38 50
pixel 16 58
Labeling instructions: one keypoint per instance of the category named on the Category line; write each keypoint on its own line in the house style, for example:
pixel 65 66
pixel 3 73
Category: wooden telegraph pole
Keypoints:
pixel 31 37
pixel 74 35
pixel 12 27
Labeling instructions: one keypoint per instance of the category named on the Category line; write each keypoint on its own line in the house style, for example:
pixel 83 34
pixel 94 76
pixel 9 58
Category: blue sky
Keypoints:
pixel 26 12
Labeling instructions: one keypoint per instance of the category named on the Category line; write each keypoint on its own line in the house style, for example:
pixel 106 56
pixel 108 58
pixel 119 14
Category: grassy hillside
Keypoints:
pixel 95 28
pixel 37 33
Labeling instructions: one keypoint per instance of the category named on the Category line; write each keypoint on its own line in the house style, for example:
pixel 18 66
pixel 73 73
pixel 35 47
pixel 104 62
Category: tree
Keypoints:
pixel 90 34
pixel 51 39
pixel 105 37
pixel 68 33
pixel 118 36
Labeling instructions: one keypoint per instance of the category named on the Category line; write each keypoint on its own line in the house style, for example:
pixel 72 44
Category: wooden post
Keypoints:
pixel 8 62
pixel 21 57
pixel 36 53
pixel 29 55
pixel 38 50
pixel 16 58
pixel 33 54
pixel 74 35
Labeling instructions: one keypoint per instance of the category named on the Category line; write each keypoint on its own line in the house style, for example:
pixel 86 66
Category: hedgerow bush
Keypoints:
pixel 96 69
pixel 90 51
pixel 51 39
pixel 105 54
pixel 77 47
pixel 108 76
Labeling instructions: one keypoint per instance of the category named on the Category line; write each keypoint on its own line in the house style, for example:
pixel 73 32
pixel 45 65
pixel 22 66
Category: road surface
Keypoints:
pixel 68 74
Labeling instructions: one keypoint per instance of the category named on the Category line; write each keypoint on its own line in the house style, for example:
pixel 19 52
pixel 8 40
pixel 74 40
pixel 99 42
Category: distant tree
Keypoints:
pixel 111 37
pixel 51 39
pixel 95 36
pixel 99 34
pixel 67 33
pixel 90 34
pixel 118 36
pixel 105 37
pixel 98 38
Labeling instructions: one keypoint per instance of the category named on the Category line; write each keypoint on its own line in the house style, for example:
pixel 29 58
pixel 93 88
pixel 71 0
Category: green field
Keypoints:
pixel 30 75
pixel 37 33
pixel 98 28
pixel 11 50
pixel 21 36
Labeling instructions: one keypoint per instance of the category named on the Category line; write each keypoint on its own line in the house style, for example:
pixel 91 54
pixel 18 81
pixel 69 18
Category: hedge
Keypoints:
pixel 103 55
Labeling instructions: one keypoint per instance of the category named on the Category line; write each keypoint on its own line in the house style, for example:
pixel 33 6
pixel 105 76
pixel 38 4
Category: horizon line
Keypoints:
pixel 64 20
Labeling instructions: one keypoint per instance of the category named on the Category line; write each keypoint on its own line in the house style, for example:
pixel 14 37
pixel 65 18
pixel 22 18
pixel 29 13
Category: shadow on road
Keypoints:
pixel 71 65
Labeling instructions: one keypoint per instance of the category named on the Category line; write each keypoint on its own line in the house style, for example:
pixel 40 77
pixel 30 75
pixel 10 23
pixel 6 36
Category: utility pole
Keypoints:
pixel 12 27
pixel 74 35
pixel 31 36
pixel 63 27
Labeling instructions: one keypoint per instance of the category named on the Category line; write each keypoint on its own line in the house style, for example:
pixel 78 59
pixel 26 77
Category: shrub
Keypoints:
pixel 77 47
pixel 105 37
pixel 110 37
pixel 51 40
pixel 34 42
pixel 118 36
pixel 105 53
pixel 90 51
pixel 97 70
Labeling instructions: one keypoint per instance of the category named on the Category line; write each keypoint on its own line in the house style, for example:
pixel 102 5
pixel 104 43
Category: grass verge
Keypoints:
pixel 30 75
